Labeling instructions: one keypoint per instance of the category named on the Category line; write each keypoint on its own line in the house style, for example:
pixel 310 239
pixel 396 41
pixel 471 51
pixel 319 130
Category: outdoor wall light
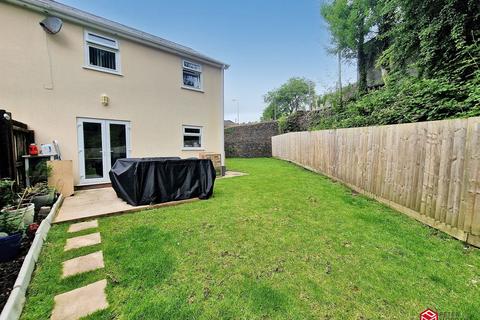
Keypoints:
pixel 105 100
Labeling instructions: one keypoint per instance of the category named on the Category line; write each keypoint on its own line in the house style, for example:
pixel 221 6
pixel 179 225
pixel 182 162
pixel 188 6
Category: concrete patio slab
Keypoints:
pixel 89 262
pixel 82 241
pixel 83 226
pixel 80 302
pixel 232 174
pixel 86 204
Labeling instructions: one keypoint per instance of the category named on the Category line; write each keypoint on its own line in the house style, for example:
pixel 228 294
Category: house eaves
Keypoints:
pixel 53 8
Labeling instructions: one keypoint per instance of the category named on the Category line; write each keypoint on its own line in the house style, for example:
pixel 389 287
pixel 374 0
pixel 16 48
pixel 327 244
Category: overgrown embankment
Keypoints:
pixel 400 101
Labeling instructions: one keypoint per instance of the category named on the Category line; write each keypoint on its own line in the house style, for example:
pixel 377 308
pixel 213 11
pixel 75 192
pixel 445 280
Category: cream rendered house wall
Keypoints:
pixel 43 83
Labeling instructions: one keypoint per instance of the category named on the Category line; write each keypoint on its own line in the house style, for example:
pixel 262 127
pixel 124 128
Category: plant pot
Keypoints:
pixel 29 212
pixel 10 246
pixel 45 200
pixel 15 219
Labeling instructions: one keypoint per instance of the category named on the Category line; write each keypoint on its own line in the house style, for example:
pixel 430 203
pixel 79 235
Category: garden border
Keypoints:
pixel 14 306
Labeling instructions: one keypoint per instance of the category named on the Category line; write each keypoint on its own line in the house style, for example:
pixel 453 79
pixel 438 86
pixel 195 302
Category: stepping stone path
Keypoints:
pixel 82 241
pixel 89 262
pixel 83 226
pixel 78 303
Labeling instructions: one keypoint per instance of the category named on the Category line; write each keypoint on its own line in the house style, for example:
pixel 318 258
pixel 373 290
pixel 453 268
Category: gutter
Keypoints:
pixel 83 18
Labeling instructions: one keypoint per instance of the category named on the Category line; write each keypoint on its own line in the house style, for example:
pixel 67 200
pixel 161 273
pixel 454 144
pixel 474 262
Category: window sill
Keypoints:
pixel 193 89
pixel 193 149
pixel 103 70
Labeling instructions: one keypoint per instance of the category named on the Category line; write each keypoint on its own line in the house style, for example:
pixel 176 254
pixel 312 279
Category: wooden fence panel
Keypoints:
pixel 428 170
pixel 14 141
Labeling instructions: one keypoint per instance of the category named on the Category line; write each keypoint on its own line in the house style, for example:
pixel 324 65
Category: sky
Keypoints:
pixel 265 42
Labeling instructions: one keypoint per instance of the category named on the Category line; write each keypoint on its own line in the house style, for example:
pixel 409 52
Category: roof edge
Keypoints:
pixel 90 20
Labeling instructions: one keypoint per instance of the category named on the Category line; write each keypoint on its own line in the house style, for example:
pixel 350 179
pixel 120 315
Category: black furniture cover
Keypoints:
pixel 142 181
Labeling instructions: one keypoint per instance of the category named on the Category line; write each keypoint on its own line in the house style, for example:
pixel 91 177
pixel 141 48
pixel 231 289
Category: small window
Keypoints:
pixel 192 75
pixel 192 137
pixel 102 52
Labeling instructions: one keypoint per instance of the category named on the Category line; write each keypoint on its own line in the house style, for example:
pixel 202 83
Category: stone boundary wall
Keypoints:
pixel 250 140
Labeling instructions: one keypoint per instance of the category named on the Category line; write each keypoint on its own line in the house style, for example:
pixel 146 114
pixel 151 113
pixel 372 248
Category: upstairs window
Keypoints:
pixel 102 53
pixel 192 75
pixel 192 137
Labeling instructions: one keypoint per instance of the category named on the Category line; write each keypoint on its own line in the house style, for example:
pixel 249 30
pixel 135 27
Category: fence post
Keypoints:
pixel 7 162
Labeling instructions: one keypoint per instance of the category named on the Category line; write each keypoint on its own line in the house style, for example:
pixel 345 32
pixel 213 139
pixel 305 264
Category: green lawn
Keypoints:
pixel 280 243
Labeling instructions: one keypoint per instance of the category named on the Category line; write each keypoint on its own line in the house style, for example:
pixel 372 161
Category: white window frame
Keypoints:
pixel 89 41
pixel 197 67
pixel 189 134
pixel 106 148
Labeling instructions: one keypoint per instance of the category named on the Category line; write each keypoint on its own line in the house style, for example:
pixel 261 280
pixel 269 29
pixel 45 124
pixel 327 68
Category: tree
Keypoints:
pixel 296 94
pixel 433 38
pixel 430 50
pixel 350 21
pixel 269 113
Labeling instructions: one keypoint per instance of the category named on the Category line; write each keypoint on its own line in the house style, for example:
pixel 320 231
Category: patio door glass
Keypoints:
pixel 118 142
pixel 93 150
pixel 100 144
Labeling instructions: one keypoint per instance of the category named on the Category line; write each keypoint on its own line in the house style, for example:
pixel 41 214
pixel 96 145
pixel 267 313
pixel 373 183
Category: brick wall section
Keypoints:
pixel 250 140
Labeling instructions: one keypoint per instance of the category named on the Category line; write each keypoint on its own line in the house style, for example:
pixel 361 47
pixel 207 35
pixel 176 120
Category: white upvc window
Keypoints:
pixel 192 137
pixel 102 53
pixel 192 75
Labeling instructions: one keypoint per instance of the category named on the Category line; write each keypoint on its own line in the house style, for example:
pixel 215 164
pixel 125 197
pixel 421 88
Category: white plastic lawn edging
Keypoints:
pixel 14 306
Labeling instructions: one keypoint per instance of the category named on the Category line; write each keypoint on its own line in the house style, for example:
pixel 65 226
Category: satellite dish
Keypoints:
pixel 51 25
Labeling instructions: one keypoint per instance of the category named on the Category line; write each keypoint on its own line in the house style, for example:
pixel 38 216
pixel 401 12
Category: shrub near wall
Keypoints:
pixel 250 140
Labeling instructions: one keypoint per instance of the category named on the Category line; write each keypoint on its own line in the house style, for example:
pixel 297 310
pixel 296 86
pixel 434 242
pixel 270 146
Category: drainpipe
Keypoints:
pixel 222 129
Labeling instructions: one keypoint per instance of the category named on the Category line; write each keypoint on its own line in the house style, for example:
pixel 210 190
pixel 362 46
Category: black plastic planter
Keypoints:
pixel 43 200
pixel 10 246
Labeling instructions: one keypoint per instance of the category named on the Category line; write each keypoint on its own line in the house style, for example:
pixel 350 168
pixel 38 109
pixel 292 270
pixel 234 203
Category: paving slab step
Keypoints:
pixel 81 302
pixel 83 226
pixel 89 262
pixel 82 241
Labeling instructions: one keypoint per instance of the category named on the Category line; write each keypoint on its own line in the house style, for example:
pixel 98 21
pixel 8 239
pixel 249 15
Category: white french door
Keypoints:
pixel 100 143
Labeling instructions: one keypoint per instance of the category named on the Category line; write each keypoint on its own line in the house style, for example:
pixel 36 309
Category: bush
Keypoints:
pixel 408 100
pixel 282 124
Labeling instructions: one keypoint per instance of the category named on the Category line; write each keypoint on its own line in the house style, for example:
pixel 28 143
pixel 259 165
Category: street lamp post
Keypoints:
pixel 238 109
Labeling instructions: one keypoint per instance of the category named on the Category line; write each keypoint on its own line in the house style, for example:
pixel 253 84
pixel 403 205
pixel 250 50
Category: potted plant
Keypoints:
pixel 13 216
pixel 13 207
pixel 7 192
pixel 20 208
pixel 40 173
pixel 41 195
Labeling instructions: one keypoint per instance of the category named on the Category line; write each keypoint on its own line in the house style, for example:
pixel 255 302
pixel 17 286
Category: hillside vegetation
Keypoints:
pixel 428 52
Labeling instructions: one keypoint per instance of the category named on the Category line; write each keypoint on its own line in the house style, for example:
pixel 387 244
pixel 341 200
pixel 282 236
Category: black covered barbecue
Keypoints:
pixel 143 181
